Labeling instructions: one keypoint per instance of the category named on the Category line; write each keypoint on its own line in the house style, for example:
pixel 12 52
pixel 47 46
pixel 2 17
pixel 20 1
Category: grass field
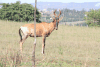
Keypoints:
pixel 66 47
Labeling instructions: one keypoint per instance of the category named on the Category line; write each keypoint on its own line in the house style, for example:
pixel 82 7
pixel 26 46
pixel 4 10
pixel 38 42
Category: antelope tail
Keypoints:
pixel 20 34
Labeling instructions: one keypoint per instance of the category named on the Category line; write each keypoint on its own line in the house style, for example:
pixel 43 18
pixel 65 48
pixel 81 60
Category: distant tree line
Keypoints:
pixel 25 12
pixel 18 12
pixel 70 15
pixel 73 15
pixel 93 17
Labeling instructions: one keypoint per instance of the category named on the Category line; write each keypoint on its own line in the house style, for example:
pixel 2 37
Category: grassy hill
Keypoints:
pixel 65 47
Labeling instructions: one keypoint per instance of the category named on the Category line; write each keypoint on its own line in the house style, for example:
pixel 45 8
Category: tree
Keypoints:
pixel 18 12
pixel 93 17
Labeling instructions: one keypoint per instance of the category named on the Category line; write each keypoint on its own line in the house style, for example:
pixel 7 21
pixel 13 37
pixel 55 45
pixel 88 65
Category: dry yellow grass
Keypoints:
pixel 66 47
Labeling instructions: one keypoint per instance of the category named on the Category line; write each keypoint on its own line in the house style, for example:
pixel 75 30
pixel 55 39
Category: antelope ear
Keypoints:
pixel 51 16
pixel 53 20
pixel 60 18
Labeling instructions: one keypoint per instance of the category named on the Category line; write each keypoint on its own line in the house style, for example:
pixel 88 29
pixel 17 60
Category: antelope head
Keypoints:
pixel 56 19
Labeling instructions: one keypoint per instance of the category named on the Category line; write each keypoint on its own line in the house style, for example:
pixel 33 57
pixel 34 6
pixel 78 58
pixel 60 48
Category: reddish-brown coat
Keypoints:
pixel 43 29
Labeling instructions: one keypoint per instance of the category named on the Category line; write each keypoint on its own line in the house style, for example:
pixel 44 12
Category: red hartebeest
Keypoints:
pixel 43 29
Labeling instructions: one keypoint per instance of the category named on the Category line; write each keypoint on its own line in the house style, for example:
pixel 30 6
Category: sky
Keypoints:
pixel 63 1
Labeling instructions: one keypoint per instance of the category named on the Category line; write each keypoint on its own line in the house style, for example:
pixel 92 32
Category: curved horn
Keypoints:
pixel 55 14
pixel 61 17
pixel 59 13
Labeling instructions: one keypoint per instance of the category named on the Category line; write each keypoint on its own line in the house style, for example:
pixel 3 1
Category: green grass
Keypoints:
pixel 66 47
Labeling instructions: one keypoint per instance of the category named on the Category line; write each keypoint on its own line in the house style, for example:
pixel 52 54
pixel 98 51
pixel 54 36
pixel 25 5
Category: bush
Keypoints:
pixel 93 17
pixel 18 12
